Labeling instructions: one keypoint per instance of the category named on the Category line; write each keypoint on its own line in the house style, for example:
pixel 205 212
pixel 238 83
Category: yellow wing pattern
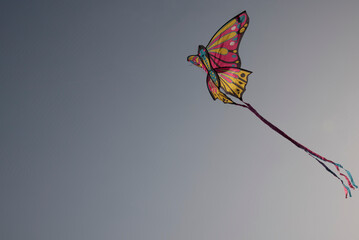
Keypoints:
pixel 195 60
pixel 215 92
pixel 233 80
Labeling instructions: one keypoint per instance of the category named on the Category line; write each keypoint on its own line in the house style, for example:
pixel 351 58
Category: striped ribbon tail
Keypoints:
pixel 322 160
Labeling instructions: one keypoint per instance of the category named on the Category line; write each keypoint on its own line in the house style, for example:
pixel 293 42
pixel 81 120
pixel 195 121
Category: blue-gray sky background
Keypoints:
pixel 106 132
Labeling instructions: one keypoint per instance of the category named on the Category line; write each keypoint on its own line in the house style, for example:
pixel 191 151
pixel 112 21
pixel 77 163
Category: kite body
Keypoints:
pixel 220 60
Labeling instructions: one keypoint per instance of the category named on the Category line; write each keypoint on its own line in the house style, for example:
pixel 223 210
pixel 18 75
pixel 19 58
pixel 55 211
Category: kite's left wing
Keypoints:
pixel 195 60
pixel 215 92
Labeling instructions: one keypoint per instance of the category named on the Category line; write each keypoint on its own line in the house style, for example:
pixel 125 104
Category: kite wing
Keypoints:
pixel 195 60
pixel 215 92
pixel 223 46
pixel 233 80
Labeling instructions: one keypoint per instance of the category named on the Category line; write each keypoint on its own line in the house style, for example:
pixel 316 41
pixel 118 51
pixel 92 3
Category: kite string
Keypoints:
pixel 346 189
pixel 241 105
pixel 310 152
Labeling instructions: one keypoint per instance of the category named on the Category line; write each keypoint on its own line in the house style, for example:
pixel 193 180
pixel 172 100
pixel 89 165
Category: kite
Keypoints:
pixel 220 60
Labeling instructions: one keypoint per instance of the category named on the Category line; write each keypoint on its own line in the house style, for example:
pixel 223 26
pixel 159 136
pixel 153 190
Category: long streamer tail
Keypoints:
pixel 322 160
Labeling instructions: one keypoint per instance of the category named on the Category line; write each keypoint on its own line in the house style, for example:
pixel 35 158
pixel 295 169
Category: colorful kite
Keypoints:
pixel 221 62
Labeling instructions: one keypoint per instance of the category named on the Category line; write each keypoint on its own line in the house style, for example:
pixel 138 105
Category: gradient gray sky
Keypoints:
pixel 108 133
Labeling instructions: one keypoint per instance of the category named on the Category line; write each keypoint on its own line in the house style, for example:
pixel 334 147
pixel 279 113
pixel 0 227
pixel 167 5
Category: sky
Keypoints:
pixel 107 132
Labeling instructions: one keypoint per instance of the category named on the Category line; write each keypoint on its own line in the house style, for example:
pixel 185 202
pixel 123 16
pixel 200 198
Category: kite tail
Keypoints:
pixel 316 156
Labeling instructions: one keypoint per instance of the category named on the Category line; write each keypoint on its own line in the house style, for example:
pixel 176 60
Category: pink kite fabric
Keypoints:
pixel 221 61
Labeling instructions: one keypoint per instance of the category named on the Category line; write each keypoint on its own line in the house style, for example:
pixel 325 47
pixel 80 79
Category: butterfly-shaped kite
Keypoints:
pixel 221 62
